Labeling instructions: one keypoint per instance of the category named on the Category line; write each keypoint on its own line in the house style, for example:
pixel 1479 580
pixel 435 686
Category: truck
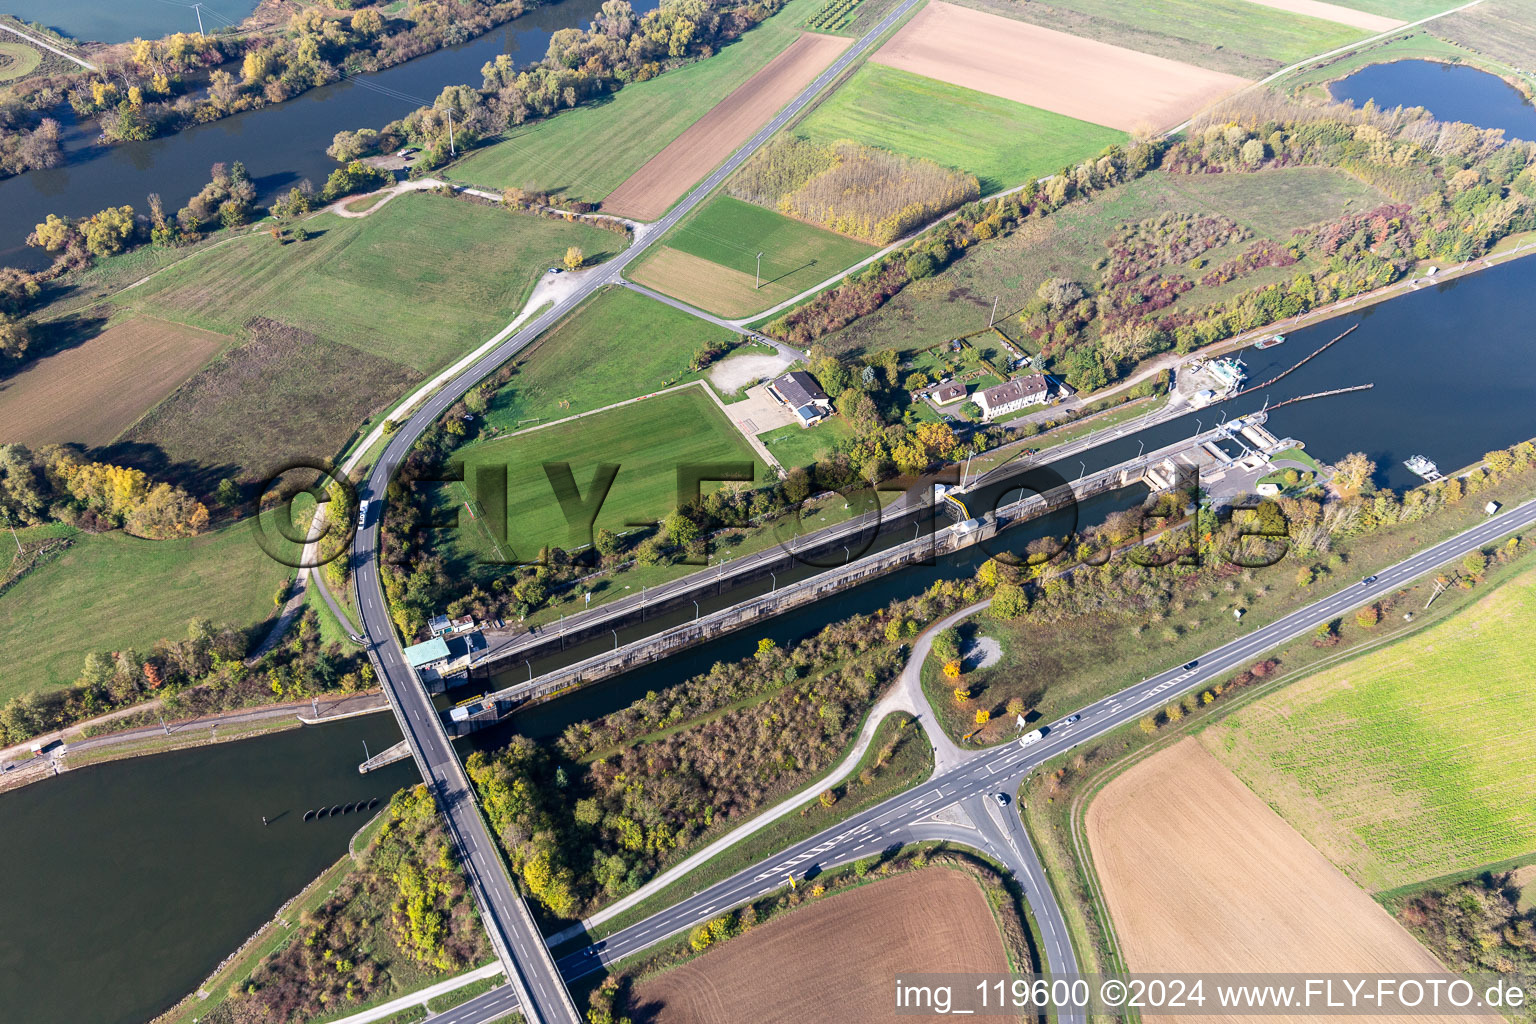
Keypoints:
pixel 362 514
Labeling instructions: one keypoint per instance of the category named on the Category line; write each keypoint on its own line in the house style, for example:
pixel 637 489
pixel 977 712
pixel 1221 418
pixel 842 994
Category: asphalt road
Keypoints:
pixel 1000 769
pixel 531 972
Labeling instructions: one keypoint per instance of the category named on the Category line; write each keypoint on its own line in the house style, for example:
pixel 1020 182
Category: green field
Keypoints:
pixel 1002 142
pixel 585 153
pixel 110 591
pixel 795 445
pixel 1235 36
pixel 420 282
pixel 620 345
pixel 1403 10
pixel 17 60
pixel 648 440
pixel 1409 762
pixel 1070 242
pixel 730 233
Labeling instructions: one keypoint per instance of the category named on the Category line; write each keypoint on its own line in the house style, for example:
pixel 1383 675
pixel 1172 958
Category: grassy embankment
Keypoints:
pixel 561 154
pixel 1054 798
pixel 1071 242
pixel 710 259
pixel 1058 667
pixel 648 440
pixel 618 345
pixel 1002 142
pixel 111 591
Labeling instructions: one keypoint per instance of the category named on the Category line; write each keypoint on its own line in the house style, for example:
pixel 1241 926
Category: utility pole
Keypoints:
pixel 12 524
pixel 758 282
pixel 451 150
pixel 993 318
pixel 199 9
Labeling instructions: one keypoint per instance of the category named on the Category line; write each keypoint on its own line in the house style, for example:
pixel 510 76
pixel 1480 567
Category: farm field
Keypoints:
pixel 1175 825
pixel 709 260
pixel 17 59
pixel 91 392
pixel 1066 74
pixel 588 151
pixel 1501 29
pixel 1237 37
pixel 620 345
pixel 1364 20
pixel 650 191
pixel 936 917
pixel 1069 243
pixel 1410 762
pixel 360 282
pixel 110 591
pixel 1002 142
pixel 283 395
pixel 648 440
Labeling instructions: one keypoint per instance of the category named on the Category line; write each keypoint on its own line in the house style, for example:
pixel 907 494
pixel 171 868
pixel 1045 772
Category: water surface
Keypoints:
pixel 1451 92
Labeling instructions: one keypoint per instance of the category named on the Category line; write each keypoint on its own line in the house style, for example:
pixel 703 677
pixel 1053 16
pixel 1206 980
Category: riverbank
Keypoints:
pixel 80 744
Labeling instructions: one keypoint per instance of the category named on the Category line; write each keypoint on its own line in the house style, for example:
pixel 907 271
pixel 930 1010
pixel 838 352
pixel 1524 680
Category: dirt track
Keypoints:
pixel 667 176
pixel 96 390
pixel 835 960
pixel 1066 74
pixel 1334 13
pixel 1200 875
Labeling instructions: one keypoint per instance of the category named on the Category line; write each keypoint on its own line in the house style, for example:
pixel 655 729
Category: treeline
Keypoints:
pixel 580 64
pixel 199 674
pixel 613 809
pixel 867 291
pixel 58 485
pixel 27 143
pixel 1475 927
pixel 855 190
pixel 405 900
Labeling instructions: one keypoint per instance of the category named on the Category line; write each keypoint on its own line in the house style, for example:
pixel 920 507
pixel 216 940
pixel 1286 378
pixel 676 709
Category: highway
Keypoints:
pixel 909 817
pixel 531 972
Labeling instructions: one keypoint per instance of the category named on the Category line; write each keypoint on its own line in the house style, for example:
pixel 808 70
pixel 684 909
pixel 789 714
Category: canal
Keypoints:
pixel 280 145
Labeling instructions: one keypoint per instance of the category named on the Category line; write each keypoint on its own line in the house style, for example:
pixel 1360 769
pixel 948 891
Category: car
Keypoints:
pixel 557 270
pixel 1191 666
pixel 595 948
pixel 1368 581
pixel 1031 737
pixel 1073 718
pixel 1001 798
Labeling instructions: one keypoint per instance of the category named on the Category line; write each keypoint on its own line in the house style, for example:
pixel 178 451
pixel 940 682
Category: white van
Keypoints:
pixel 1031 737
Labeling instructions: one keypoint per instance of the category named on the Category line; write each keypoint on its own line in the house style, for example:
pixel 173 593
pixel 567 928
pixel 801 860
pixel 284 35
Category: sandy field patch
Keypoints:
pixel 91 393
pixel 699 282
pixel 1055 71
pixel 982 652
pixel 1333 12
pixel 834 960
pixel 735 371
pixel 1525 878
pixel 1200 875
pixel 667 176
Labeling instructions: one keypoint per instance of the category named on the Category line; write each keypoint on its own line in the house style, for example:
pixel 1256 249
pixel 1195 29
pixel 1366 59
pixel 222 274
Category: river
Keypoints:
pixel 117 21
pixel 280 145
pixel 151 870
pixel 1451 92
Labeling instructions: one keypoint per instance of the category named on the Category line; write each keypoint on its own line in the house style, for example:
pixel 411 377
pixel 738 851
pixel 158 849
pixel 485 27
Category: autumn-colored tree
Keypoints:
pixel 1015 705
pixel 827 798
pixel 951 670
pixel 53 234
pixel 983 716
pixel 1475 563
pixel 1173 712
pixel 961 694
pixel 1368 616
pixel 574 258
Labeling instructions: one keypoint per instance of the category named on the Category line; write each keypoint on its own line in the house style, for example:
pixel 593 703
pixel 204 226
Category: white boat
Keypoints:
pixel 1423 467
pixel 1271 342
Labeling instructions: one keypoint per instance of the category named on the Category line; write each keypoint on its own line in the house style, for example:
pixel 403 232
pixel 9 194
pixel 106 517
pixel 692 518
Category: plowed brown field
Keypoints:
pixel 1055 71
pixel 96 390
pixel 1201 876
pixel 662 180
pixel 836 960
pixel 1333 12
